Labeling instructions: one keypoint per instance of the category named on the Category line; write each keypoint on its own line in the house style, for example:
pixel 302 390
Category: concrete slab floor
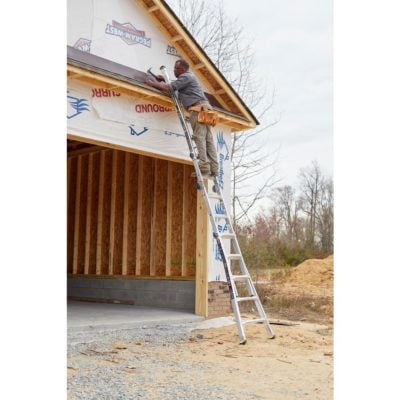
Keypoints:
pixel 87 316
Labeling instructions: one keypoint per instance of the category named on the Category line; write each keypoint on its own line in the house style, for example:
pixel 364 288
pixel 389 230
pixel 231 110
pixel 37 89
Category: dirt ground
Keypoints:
pixel 297 364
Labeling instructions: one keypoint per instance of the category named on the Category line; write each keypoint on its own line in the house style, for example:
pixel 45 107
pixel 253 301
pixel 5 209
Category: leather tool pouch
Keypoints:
pixel 208 117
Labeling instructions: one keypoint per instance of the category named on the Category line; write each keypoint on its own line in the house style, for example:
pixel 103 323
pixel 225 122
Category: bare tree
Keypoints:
pixel 311 182
pixel 223 39
pixel 289 206
pixel 325 216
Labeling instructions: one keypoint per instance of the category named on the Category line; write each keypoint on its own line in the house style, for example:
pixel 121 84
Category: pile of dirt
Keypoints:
pixel 312 276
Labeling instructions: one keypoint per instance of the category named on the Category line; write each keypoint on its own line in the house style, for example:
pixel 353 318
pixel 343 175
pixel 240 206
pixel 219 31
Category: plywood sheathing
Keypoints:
pixel 128 214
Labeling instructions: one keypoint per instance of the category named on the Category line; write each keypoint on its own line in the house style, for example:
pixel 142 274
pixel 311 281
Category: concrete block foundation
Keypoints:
pixel 175 294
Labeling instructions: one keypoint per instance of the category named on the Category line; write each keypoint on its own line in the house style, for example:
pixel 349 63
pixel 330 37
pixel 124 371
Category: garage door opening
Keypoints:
pixel 132 228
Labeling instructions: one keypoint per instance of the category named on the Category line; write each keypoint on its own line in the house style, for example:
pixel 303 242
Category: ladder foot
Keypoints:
pixel 243 342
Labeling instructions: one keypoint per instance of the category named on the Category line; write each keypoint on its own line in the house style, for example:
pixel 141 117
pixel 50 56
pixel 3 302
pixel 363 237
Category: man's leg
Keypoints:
pixel 211 152
pixel 199 137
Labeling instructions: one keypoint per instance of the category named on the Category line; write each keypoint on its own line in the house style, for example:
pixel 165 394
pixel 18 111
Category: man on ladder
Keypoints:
pixel 205 162
pixel 194 100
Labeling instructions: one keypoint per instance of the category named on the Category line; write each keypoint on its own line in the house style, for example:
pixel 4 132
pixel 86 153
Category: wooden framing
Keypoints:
pixel 130 215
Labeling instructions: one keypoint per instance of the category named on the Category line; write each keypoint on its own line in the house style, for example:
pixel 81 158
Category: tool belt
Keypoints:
pixel 205 116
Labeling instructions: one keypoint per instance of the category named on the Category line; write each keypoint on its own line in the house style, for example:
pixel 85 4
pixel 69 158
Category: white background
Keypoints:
pixel 33 172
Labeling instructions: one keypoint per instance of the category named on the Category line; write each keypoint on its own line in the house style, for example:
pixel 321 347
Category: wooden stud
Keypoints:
pixel 130 214
pixel 117 212
pixel 113 210
pixel 72 174
pixel 139 217
pixel 176 219
pixel 185 216
pixel 77 214
pixel 169 221
pixel 125 237
pixel 100 214
pixel 202 228
pixel 159 219
pixel 104 210
pixel 189 223
pixel 93 212
pixel 88 213
pixel 145 204
pixel 80 211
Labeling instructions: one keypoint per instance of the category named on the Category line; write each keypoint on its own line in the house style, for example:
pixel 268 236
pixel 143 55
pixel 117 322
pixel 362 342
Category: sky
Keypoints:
pixel 294 53
pixel 292 42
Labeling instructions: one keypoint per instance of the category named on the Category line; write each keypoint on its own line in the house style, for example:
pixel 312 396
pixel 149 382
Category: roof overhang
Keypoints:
pixel 98 71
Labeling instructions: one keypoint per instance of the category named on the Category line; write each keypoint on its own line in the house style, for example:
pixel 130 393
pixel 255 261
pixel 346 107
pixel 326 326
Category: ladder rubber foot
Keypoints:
pixel 243 342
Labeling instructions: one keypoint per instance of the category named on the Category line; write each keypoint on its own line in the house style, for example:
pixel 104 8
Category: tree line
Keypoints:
pixel 299 224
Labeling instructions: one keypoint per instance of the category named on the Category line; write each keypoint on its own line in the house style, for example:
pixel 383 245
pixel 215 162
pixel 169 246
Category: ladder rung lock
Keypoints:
pixel 254 321
pixel 252 298
pixel 214 196
pixel 240 277
pixel 221 216
pixel 234 256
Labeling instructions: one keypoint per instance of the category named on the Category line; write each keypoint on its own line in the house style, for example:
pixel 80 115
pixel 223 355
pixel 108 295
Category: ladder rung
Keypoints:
pixel 235 256
pixel 254 321
pixel 214 196
pixel 227 235
pixel 221 216
pixel 246 298
pixel 240 277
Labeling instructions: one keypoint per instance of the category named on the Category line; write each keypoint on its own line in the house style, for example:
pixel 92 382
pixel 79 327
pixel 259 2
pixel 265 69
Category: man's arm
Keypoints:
pixel 158 85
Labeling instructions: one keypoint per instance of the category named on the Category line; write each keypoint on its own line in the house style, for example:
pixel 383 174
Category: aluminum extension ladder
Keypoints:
pixel 232 261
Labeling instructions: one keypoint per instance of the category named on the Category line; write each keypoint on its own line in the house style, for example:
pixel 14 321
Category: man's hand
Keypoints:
pixel 159 85
pixel 160 78
pixel 149 81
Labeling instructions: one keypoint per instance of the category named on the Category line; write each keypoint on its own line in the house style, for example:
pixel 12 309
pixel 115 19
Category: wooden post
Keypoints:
pixel 202 229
